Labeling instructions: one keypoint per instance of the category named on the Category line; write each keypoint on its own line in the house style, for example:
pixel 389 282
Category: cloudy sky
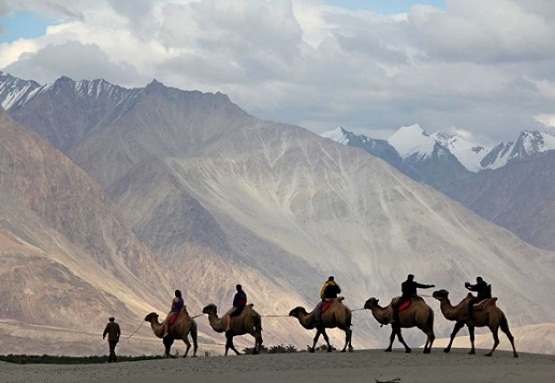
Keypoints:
pixel 482 68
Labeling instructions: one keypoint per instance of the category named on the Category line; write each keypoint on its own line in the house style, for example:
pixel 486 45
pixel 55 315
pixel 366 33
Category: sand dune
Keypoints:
pixel 360 366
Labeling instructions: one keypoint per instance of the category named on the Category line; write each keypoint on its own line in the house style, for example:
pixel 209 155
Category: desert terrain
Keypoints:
pixel 359 366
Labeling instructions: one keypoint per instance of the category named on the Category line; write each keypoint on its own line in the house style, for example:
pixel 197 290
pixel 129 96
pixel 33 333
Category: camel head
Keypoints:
pixel 152 317
pixel 297 312
pixel 441 295
pixel 210 309
pixel 372 302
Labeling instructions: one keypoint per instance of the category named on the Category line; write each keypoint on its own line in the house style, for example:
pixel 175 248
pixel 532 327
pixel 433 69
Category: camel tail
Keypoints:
pixel 504 324
pixel 348 318
pixel 194 334
pixel 430 321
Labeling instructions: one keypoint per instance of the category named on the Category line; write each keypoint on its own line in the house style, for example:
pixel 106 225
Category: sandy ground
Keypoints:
pixel 367 366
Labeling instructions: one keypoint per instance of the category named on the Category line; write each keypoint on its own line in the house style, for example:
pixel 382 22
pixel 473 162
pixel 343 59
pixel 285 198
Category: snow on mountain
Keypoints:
pixel 14 91
pixel 527 144
pixel 412 141
pixel 338 134
pixel 468 153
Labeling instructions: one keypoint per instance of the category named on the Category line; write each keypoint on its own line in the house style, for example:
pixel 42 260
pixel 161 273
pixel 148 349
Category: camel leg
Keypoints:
pixel 257 342
pixel 400 337
pixel 325 335
pixel 505 328
pixel 188 346
pixel 430 337
pixel 168 342
pixel 315 340
pixel 471 333
pixel 458 326
pixel 194 335
pixel 494 332
pixel 348 335
pixel 391 339
pixel 229 345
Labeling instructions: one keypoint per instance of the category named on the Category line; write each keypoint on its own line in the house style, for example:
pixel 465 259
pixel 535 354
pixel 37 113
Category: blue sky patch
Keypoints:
pixel 22 24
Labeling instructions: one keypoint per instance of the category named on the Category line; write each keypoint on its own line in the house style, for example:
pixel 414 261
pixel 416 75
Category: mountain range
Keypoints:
pixel 509 184
pixel 164 189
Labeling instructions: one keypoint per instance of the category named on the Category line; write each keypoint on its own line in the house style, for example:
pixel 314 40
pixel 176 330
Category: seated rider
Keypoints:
pixel 484 292
pixel 239 303
pixel 177 305
pixel 408 291
pixel 329 291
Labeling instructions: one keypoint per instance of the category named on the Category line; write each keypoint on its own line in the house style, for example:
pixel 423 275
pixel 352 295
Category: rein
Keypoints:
pixel 137 329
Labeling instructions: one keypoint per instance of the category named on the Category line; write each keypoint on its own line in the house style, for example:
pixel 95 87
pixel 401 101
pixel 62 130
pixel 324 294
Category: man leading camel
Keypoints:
pixel 408 290
pixel 113 331
pixel 484 292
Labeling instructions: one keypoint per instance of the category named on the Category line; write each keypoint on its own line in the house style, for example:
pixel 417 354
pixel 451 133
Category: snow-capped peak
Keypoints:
pixel 527 144
pixel 412 140
pixel 468 153
pixel 14 91
pixel 338 134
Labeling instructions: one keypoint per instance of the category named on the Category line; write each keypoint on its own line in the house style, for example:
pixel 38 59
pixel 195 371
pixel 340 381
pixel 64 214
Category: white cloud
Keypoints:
pixel 548 120
pixel 485 67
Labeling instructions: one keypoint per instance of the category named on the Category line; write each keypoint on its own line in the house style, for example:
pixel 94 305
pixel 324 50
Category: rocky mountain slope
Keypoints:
pixel 221 197
pixel 509 184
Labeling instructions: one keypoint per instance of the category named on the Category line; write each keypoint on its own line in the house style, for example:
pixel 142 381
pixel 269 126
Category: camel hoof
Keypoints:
pixel 329 349
pixel 472 353
pixel 515 355
pixel 311 350
pixel 488 354
pixel 408 350
pixel 427 351
pixel 446 350
pixel 387 350
pixel 351 349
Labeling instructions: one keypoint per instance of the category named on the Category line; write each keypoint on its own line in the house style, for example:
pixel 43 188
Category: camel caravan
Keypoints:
pixel 406 311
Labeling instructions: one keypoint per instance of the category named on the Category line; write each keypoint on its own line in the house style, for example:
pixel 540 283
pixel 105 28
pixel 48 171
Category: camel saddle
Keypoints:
pixel 482 304
pixel 405 304
pixel 172 319
pixel 328 303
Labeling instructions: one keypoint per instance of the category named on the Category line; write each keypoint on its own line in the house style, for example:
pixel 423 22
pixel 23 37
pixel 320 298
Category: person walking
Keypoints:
pixel 113 331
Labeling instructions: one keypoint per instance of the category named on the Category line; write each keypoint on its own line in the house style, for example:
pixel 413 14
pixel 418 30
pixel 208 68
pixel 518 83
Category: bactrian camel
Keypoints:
pixel 418 314
pixel 337 315
pixel 485 313
pixel 247 322
pixel 180 329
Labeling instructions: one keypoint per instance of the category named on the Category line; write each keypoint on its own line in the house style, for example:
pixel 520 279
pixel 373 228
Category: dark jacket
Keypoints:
pixel 177 304
pixel 482 288
pixel 408 288
pixel 331 290
pixel 240 299
pixel 113 332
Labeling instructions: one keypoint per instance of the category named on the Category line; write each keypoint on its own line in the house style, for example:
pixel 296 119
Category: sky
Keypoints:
pixel 481 69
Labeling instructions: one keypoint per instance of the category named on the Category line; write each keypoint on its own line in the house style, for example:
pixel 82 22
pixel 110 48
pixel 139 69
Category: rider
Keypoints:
pixel 239 303
pixel 484 292
pixel 177 305
pixel 329 291
pixel 408 291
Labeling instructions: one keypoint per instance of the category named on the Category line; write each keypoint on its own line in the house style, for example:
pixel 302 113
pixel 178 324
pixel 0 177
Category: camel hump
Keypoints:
pixel 485 303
